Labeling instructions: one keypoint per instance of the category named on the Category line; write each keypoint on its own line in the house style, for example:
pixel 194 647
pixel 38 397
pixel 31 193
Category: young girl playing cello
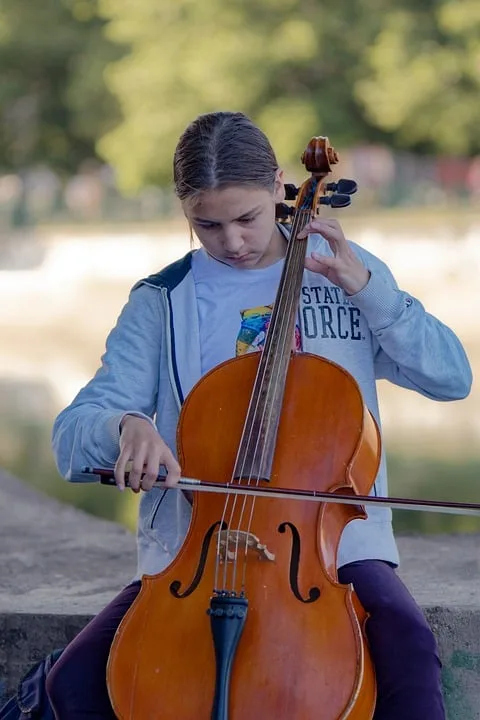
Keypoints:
pixel 210 306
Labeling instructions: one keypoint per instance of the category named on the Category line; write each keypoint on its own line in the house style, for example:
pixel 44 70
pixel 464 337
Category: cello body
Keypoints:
pixel 301 652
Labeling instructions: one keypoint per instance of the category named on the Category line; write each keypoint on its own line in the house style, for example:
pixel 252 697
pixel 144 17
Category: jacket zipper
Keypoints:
pixel 172 368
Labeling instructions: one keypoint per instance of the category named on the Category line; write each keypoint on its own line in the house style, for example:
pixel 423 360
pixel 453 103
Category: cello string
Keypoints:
pixel 276 382
pixel 286 334
pixel 246 500
pixel 252 412
pixel 287 320
pixel 300 219
pixel 255 399
pixel 248 445
pixel 281 320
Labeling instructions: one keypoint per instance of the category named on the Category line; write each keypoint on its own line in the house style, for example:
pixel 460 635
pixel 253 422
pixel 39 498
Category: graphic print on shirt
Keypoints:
pixel 253 330
pixel 328 314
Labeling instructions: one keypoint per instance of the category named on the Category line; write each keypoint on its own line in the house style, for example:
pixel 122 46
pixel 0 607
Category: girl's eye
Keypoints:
pixel 247 220
pixel 206 225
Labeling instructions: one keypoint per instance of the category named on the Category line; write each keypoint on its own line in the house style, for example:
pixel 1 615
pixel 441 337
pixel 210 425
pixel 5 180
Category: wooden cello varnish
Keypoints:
pixel 249 621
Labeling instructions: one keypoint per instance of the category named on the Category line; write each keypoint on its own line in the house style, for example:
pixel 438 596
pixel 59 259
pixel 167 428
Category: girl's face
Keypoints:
pixel 236 225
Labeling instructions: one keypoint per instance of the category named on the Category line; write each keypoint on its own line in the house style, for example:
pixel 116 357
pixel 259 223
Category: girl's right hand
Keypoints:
pixel 142 447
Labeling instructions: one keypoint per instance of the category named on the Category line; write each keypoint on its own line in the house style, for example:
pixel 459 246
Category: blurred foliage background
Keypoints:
pixel 93 97
pixel 83 79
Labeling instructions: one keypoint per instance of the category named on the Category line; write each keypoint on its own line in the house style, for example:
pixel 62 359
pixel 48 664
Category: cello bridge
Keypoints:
pixel 234 543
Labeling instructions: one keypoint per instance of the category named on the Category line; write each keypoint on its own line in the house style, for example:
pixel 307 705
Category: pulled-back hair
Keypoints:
pixel 222 149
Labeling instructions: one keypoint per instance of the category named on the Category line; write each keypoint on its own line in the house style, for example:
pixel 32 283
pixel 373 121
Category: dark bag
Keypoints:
pixel 31 701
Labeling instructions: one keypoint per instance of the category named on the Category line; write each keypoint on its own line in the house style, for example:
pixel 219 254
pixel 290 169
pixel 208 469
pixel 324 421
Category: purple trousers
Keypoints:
pixel 402 645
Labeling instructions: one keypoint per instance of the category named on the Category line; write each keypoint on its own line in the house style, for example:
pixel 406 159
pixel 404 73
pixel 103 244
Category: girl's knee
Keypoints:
pixel 76 692
pixel 414 629
pixel 407 667
pixel 402 628
pixel 54 684
pixel 67 678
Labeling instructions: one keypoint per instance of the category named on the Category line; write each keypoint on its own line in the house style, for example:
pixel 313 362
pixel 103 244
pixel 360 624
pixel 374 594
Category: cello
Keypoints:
pixel 249 620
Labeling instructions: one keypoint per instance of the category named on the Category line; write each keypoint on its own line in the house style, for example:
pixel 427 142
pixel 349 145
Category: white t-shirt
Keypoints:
pixel 234 307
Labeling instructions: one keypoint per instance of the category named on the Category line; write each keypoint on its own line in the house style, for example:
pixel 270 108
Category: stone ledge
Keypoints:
pixel 25 638
pixel 458 635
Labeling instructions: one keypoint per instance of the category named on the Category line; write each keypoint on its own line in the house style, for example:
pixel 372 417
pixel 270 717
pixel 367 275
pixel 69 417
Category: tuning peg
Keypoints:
pixel 291 191
pixel 343 186
pixel 337 200
pixel 283 211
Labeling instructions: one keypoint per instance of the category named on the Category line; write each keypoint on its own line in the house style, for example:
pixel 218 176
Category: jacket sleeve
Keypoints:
pixel 414 349
pixel 87 432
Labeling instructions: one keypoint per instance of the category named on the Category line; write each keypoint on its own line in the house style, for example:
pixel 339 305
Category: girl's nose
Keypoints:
pixel 232 239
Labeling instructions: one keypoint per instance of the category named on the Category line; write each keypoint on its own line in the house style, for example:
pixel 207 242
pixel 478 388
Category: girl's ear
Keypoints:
pixel 279 187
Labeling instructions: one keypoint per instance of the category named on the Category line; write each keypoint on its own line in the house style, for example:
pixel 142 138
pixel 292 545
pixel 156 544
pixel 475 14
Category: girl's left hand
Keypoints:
pixel 344 268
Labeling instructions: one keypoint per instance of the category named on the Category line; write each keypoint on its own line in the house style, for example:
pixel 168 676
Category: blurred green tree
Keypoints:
pixel 53 100
pixel 72 82
pixel 424 76
pixel 399 71
pixel 290 65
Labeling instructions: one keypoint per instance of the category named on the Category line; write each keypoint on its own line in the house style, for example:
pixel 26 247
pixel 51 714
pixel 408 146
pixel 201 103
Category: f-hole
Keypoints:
pixel 314 592
pixel 176 584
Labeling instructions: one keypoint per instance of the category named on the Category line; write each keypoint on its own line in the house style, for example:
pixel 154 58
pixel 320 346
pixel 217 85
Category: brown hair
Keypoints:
pixel 222 149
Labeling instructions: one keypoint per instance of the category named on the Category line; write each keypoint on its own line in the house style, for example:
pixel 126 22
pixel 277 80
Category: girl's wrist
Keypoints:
pixel 358 283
